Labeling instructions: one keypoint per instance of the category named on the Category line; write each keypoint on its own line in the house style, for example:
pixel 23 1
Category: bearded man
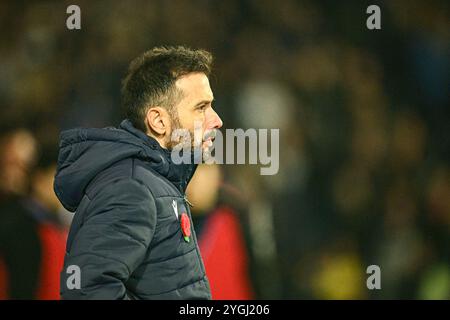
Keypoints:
pixel 132 235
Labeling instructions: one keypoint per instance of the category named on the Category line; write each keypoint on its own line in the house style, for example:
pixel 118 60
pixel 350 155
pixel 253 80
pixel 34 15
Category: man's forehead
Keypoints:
pixel 195 86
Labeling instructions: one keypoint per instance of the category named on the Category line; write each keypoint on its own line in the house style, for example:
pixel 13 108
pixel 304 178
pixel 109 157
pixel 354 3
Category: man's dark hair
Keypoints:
pixel 151 78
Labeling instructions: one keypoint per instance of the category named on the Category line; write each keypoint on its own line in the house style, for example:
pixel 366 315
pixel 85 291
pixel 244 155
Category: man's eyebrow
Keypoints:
pixel 204 102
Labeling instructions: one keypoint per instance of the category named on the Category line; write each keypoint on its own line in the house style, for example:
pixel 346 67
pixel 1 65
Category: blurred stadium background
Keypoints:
pixel 364 138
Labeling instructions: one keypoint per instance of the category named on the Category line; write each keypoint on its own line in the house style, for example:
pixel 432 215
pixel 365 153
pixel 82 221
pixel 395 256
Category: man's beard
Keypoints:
pixel 184 141
pixel 191 140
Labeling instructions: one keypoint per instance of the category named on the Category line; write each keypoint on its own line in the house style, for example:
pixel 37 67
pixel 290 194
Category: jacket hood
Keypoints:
pixel 85 152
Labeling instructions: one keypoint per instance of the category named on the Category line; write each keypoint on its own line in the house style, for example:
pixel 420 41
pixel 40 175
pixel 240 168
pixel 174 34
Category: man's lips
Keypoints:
pixel 209 138
pixel 208 142
pixel 209 134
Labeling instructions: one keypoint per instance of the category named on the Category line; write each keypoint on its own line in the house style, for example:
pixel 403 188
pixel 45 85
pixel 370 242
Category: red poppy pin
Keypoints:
pixel 185 226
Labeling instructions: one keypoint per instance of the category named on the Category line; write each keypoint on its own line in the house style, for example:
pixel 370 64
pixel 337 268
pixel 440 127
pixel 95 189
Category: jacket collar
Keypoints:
pixel 178 174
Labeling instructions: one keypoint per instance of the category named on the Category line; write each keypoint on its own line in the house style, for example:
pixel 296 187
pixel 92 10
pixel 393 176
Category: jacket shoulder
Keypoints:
pixel 133 169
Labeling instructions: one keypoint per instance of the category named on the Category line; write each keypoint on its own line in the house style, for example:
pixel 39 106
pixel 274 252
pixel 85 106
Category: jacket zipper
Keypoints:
pixel 188 202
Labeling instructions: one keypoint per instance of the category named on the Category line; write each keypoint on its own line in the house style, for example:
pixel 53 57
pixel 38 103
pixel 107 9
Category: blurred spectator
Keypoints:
pixel 32 236
pixel 17 156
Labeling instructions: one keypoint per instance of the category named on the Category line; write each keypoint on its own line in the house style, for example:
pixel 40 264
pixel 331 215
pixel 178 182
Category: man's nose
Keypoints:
pixel 215 121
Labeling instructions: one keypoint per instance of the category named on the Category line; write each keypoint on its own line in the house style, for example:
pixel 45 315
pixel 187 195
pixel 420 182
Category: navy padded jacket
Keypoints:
pixel 125 236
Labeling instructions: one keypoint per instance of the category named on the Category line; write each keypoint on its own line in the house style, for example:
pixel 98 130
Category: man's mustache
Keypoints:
pixel 210 134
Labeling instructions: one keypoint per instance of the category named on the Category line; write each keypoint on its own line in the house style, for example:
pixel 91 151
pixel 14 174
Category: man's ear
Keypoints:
pixel 157 121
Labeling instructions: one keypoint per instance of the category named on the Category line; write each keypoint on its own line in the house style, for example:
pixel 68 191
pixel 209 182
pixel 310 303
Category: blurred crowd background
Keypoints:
pixel 364 174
